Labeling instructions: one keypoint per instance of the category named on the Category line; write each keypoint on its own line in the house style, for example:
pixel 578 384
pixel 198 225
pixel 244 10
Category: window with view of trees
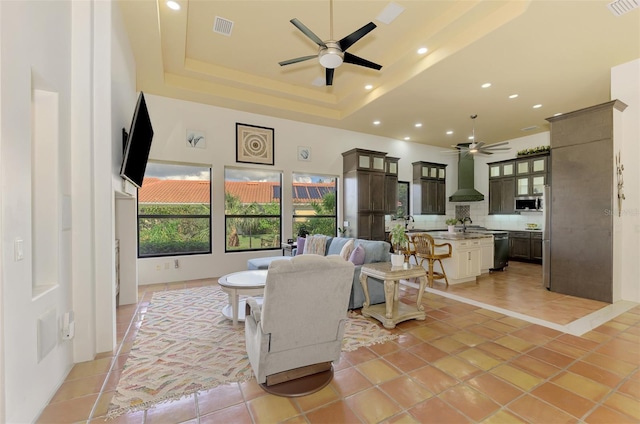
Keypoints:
pixel 252 203
pixel 174 210
pixel 314 204
pixel 403 199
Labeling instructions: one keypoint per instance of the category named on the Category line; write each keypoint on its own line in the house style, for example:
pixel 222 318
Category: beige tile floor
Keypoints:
pixel 464 363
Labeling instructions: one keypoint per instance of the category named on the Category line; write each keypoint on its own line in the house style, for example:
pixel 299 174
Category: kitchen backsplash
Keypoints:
pixel 477 211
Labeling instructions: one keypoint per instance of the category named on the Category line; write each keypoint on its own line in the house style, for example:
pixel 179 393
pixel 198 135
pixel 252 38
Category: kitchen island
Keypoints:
pixel 469 254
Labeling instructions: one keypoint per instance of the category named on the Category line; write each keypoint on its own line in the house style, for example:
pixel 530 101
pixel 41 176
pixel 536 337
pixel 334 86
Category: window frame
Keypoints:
pixel 408 211
pixel 208 217
pixel 236 216
pixel 295 216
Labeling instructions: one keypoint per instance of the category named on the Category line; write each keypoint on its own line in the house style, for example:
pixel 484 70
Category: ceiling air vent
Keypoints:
pixel 222 26
pixel 620 7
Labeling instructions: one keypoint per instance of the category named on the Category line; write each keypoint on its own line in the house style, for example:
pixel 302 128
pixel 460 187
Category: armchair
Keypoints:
pixel 295 335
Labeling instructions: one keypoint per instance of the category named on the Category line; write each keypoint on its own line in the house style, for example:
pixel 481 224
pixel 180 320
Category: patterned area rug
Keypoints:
pixel 186 345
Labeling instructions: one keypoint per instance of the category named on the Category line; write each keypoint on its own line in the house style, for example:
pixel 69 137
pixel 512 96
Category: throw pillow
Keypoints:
pixel 357 256
pixel 315 245
pixel 300 245
pixel 347 249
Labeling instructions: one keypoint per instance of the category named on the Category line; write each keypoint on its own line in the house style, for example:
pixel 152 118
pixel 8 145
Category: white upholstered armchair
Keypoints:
pixel 295 335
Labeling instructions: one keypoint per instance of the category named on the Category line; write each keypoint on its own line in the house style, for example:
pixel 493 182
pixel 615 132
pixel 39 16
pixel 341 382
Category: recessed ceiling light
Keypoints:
pixel 376 122
pixel 449 132
pixel 538 106
pixel 407 138
pixel 368 87
pixel 173 5
pixel 422 50
pixel 418 125
pixel 513 96
pixel 486 85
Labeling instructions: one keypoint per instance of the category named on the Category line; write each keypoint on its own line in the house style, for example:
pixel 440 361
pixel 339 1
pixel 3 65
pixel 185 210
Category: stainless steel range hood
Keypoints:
pixel 466 191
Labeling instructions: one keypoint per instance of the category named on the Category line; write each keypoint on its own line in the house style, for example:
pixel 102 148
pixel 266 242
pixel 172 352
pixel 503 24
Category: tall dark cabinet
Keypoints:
pixel 581 230
pixel 364 193
pixel 429 188
pixel 391 185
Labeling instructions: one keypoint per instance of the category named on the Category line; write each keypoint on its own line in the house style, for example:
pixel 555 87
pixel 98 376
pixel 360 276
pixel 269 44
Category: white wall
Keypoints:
pixel 625 86
pixel 36 54
pixel 39 52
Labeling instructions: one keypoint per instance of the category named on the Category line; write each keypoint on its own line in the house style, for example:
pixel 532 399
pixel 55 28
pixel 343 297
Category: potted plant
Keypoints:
pixel 451 224
pixel 399 241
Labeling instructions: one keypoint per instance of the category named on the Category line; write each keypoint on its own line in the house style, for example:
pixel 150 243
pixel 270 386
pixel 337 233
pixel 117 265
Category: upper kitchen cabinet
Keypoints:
pixel 429 188
pixel 391 185
pixel 364 174
pixel 532 174
pixel 502 187
pixel 584 202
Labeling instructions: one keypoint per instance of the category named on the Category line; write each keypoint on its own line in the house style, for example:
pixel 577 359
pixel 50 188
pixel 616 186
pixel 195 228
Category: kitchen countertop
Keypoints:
pixel 445 235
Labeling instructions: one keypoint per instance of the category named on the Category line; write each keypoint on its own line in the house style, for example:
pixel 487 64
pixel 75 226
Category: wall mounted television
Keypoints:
pixel 137 144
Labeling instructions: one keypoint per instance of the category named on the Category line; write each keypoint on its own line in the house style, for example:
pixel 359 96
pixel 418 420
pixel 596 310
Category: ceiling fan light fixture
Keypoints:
pixel 332 56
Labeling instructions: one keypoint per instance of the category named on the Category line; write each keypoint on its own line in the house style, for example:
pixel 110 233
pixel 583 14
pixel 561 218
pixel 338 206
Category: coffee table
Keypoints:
pixel 249 283
pixel 392 311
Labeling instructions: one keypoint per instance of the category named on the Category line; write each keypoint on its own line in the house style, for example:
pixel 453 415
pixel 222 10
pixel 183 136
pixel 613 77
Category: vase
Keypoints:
pixel 397 260
pixel 452 228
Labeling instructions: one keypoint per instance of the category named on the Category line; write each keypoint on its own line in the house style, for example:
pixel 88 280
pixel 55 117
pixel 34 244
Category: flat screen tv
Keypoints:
pixel 137 144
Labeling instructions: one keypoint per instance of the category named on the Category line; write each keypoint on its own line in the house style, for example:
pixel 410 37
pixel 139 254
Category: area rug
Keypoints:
pixel 185 345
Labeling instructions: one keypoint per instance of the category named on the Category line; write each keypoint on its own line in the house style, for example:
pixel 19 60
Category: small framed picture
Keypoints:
pixel 254 144
pixel 304 153
pixel 196 139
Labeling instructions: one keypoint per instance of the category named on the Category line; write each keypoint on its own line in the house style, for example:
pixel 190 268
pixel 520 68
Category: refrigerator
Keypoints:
pixel 546 239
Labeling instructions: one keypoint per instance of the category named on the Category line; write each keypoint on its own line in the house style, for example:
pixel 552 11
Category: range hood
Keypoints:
pixel 466 192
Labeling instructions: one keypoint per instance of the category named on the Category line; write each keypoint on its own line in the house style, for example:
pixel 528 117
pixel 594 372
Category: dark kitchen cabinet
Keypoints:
pixel 429 188
pixel 536 247
pixel 525 246
pixel 391 185
pixel 364 193
pixel 502 187
pixel 519 245
pixel 502 196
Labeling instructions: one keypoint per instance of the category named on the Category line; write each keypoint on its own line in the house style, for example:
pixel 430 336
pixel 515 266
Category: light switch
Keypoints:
pixel 18 250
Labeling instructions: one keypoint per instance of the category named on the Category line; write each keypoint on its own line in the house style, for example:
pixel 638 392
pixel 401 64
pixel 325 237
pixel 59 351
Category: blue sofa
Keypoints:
pixel 375 251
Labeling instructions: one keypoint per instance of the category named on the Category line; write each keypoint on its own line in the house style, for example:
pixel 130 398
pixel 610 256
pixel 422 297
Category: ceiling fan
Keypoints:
pixel 478 148
pixel 332 53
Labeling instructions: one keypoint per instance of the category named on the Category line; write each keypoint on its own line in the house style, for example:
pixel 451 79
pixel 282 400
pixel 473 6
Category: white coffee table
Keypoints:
pixel 249 283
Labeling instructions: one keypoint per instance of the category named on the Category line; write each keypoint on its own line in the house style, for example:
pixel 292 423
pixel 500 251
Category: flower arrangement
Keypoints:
pixel 451 221
pixel 534 150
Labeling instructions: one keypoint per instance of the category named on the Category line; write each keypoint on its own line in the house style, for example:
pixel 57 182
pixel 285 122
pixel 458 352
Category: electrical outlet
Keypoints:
pixel 166 265
pixel 158 268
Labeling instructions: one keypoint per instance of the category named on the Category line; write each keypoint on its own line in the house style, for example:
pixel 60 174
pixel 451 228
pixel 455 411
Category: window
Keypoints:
pixel 403 199
pixel 252 203
pixel 174 210
pixel 314 204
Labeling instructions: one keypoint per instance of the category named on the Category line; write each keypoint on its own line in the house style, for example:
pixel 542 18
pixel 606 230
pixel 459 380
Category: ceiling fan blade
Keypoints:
pixel 296 60
pixel 479 145
pixel 353 59
pixel 350 39
pixel 329 77
pixel 498 144
pixel 306 31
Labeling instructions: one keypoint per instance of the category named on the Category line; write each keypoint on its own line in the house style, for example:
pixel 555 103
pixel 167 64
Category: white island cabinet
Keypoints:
pixel 466 260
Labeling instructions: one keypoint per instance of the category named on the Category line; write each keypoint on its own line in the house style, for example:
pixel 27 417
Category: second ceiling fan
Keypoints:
pixel 332 53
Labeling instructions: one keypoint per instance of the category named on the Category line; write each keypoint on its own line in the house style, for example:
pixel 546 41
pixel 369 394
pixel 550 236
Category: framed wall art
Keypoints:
pixel 196 139
pixel 254 144
pixel 304 153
